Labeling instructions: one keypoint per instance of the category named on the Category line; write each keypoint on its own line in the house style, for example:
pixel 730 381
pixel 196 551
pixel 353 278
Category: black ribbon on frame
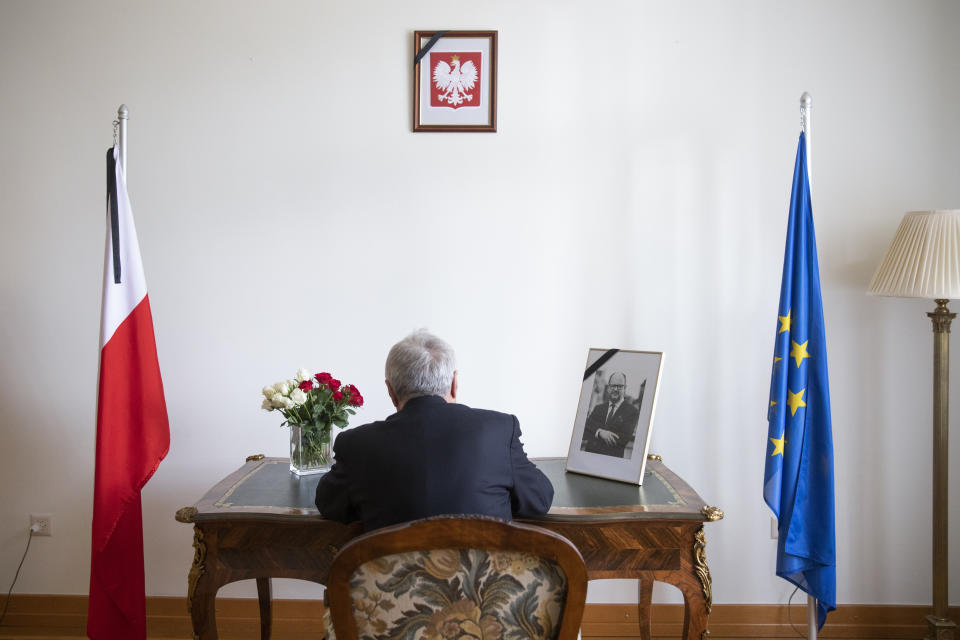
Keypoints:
pixel 599 363
pixel 426 48
pixel 114 212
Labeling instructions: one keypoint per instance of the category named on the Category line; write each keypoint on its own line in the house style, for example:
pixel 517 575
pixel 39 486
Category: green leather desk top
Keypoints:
pixel 266 487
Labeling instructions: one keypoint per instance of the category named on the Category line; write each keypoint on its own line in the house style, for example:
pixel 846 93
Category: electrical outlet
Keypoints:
pixel 773 528
pixel 42 524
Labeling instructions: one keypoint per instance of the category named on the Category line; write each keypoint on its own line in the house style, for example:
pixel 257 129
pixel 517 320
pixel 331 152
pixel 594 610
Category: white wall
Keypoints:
pixel 634 196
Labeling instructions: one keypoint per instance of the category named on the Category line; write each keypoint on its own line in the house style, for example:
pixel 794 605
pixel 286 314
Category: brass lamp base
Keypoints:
pixel 941 628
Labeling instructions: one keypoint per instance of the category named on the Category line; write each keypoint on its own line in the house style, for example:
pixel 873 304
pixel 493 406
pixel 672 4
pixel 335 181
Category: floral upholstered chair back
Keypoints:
pixel 456 577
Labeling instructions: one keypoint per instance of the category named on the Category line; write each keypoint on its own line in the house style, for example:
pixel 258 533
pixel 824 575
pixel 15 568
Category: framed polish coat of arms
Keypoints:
pixel 455 81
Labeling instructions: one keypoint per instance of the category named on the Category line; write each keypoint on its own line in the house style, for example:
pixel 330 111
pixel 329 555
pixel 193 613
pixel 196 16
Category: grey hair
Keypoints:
pixel 420 365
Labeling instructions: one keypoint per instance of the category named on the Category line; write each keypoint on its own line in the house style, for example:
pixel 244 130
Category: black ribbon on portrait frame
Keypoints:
pixel 602 360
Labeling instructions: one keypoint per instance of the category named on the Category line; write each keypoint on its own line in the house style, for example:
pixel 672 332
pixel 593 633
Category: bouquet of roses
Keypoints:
pixel 312 403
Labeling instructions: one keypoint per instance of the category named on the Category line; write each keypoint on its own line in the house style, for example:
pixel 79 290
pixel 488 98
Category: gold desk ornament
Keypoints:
pixel 198 568
pixel 255 457
pixel 712 514
pixel 186 515
pixel 654 456
pixel 701 568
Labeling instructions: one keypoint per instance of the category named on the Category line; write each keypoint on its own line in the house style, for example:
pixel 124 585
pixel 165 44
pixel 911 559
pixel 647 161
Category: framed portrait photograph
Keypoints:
pixel 455 81
pixel 611 430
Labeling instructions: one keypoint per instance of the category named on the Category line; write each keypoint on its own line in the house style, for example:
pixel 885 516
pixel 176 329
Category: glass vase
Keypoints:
pixel 310 450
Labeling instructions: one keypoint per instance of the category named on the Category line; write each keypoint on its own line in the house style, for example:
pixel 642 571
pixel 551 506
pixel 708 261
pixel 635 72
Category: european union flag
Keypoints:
pixel 798 482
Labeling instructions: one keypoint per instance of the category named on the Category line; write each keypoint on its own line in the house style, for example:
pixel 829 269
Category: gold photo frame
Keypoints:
pixel 614 419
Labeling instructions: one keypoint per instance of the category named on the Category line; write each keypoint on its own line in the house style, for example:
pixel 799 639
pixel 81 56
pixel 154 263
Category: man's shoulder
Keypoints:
pixel 453 409
pixel 361 432
pixel 438 413
pixel 600 409
pixel 481 414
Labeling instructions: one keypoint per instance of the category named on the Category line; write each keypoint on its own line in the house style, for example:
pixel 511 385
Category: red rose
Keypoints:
pixel 337 396
pixel 334 384
pixel 355 398
pixel 306 385
pixel 323 378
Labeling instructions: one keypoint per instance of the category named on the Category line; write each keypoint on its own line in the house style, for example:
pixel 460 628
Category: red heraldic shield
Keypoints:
pixel 455 78
pixel 133 435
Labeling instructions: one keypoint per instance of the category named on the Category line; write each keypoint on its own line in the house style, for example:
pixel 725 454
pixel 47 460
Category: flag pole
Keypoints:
pixel 123 114
pixel 806 104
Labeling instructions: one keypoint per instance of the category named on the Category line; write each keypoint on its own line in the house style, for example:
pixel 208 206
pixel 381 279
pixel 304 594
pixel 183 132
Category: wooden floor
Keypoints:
pixel 59 617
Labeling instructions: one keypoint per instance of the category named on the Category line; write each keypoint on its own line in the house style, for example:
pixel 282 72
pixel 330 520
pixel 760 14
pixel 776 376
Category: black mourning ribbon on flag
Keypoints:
pixel 599 363
pixel 427 47
pixel 114 212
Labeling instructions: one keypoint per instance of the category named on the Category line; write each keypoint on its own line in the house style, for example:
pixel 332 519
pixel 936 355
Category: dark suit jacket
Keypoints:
pixel 432 458
pixel 623 422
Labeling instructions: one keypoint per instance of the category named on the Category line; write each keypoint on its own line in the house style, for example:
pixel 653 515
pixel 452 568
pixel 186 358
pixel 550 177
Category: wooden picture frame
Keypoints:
pixel 611 431
pixel 455 81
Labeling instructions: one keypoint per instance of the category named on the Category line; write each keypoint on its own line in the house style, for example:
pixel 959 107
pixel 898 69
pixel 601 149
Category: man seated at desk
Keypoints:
pixel 433 456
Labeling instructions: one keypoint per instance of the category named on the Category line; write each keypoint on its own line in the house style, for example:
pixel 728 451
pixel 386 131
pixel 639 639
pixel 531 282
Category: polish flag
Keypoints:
pixel 133 434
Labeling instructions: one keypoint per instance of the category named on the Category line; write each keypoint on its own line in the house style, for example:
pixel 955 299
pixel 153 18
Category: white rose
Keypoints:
pixel 268 392
pixel 298 396
pixel 277 401
pixel 267 405
pixel 283 388
pixel 288 403
pixel 303 374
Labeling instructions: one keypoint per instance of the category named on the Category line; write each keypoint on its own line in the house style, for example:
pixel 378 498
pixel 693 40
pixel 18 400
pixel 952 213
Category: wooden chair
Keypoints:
pixel 457 576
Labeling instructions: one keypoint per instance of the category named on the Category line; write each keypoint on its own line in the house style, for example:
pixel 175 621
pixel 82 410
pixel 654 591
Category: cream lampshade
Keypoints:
pixel 923 261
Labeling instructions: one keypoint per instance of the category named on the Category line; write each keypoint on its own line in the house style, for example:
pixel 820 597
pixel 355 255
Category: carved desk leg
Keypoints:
pixel 698 598
pixel 644 600
pixel 695 606
pixel 201 591
pixel 265 596
pixel 694 618
pixel 693 581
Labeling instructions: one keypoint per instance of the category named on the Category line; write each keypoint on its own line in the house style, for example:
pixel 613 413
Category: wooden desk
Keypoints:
pixel 260 523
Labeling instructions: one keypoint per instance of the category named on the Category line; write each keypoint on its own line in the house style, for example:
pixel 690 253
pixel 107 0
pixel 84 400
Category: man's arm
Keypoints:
pixel 595 420
pixel 333 498
pixel 595 429
pixel 532 492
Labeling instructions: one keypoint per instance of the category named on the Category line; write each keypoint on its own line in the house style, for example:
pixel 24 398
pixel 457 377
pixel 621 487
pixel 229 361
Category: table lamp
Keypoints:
pixel 923 261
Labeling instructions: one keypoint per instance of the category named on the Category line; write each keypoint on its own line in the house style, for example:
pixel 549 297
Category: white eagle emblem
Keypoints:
pixel 453 84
